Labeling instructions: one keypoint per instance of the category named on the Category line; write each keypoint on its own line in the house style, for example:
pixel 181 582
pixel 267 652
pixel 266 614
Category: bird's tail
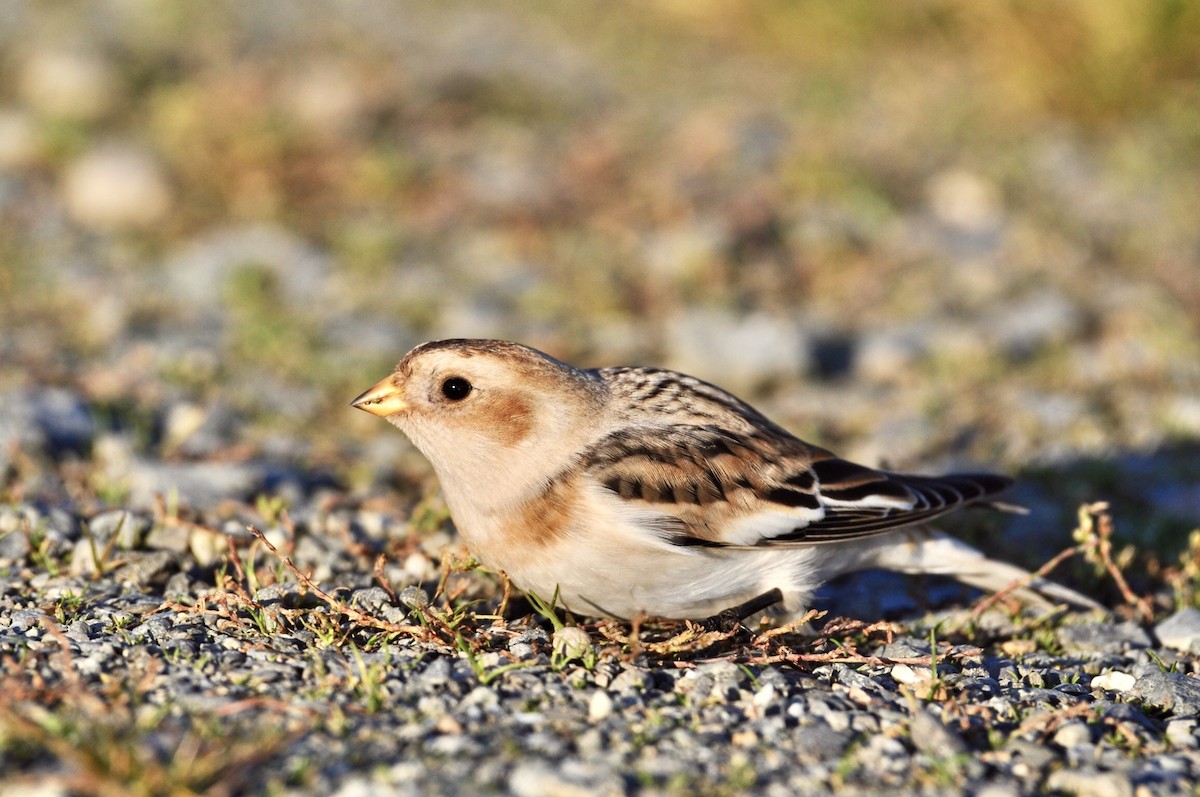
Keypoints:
pixel 932 552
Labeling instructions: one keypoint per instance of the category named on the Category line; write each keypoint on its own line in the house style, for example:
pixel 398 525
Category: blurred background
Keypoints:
pixel 933 234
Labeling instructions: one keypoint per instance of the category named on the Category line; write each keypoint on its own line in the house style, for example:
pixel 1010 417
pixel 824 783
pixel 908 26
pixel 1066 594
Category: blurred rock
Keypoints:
pixel 1181 631
pixel 1090 782
pixel 889 355
pixel 683 251
pixel 65 420
pixel 933 737
pixel 19 144
pixel 1183 415
pixel 200 270
pixel 367 337
pixel 1103 637
pixel 196 483
pixel 1173 692
pixel 326 97
pixel 964 200
pixel 737 352
pixel 509 172
pixel 51 421
pixel 196 430
pixel 68 83
pixel 127 528
pixel 115 187
pixel 1045 318
pixel 17 429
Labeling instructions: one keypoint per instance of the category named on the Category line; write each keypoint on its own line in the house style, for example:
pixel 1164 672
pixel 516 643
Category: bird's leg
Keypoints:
pixel 731 618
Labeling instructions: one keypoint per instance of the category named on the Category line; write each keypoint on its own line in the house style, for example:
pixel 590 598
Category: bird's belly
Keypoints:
pixel 682 583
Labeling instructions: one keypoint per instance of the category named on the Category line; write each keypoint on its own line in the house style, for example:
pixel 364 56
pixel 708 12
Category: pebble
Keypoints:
pixel 19 145
pixel 69 83
pixel 194 483
pixel 1072 734
pixel 739 352
pixel 198 272
pixel 1103 637
pixel 1173 692
pixel 1089 783
pixel 1039 320
pixel 931 736
pixel 117 186
pixel 1114 681
pixel 1181 631
pixel 600 706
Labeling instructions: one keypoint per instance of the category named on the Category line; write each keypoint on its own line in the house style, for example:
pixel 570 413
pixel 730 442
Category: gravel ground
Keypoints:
pixel 139 649
pixel 947 235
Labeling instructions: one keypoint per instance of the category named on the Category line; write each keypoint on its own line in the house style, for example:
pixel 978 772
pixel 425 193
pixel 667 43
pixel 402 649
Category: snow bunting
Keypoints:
pixel 644 491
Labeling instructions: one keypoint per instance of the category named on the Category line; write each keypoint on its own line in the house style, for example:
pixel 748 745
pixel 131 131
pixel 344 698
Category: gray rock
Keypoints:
pixel 1038 320
pixel 65 420
pixel 905 647
pixel 14 545
pixel 1103 637
pixel 932 737
pixel 739 352
pixel 371 599
pixel 1174 692
pixel 201 270
pixel 128 528
pixel 49 421
pixel 199 430
pixel 1090 783
pixel 819 742
pixel 196 483
pixel 565 779
pixel 1181 630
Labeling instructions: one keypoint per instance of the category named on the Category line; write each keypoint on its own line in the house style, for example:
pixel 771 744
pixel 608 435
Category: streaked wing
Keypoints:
pixel 714 487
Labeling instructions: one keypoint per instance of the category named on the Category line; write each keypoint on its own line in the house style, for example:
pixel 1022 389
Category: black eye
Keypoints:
pixel 456 388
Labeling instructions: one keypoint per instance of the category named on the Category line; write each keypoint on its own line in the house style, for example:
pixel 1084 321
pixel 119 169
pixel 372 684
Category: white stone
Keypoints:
pixel 600 706
pixel 1180 631
pixel 736 352
pixel 69 83
pixel 1072 734
pixel 964 200
pixel 117 186
pixel 18 140
pixel 905 674
pixel 1114 681
pixel 765 696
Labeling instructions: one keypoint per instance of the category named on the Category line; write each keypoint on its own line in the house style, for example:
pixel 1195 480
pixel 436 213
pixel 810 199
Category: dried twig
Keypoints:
pixel 356 615
pixel 988 601
pixel 1094 535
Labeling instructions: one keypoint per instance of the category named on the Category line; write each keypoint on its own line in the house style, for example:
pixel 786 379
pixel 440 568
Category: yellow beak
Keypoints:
pixel 382 400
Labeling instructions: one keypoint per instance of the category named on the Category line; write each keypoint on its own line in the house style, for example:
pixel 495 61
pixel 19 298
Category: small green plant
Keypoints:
pixel 100 557
pixel 483 672
pixel 368 685
pixel 270 507
pixel 1162 665
pixel 569 642
pixel 40 546
pixel 67 608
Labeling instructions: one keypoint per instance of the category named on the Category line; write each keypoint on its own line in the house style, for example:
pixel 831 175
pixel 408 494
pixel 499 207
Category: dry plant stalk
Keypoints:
pixel 356 615
pixel 1094 535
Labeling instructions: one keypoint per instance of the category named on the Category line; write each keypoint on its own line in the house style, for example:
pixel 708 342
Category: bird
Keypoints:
pixel 637 491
